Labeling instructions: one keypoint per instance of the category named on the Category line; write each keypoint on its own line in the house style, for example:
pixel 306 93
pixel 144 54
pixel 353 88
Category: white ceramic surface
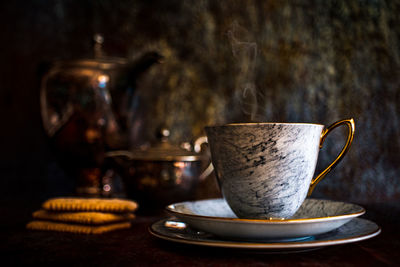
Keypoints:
pixel 314 217
pixel 356 230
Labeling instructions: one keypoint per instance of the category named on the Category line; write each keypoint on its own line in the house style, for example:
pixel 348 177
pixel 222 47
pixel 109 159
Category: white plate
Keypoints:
pixel 356 230
pixel 314 217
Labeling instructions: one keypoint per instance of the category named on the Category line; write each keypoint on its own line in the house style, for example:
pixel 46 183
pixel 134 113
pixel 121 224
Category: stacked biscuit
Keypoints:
pixel 81 215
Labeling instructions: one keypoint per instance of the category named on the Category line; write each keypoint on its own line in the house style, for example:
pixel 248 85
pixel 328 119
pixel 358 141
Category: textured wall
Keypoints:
pixel 225 61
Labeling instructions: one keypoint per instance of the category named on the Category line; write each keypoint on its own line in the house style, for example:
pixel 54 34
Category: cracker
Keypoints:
pixel 90 204
pixel 91 217
pixel 75 228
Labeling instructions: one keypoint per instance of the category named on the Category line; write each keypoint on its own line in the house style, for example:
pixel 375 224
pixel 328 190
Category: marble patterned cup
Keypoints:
pixel 265 170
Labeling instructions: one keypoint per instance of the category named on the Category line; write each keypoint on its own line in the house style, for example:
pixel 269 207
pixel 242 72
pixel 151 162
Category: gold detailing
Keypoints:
pixel 172 210
pixel 215 242
pixel 197 148
pixel 351 126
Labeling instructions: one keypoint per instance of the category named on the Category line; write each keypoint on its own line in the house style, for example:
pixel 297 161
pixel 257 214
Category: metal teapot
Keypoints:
pixel 85 108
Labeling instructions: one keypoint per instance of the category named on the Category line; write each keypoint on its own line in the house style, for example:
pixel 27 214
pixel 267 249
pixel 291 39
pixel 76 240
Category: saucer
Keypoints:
pixel 314 217
pixel 173 229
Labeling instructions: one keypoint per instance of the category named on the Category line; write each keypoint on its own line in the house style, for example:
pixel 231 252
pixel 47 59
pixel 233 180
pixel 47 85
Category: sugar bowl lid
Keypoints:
pixel 163 150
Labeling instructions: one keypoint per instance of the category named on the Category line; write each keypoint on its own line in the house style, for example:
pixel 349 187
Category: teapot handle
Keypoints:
pixel 51 127
pixel 197 148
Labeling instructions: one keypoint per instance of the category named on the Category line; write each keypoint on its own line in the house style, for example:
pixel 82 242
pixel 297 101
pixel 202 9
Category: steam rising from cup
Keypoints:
pixel 244 51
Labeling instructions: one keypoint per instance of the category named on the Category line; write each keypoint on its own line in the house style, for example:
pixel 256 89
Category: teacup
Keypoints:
pixel 265 170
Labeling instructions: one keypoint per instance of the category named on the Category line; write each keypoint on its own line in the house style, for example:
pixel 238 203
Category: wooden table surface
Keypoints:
pixel 137 247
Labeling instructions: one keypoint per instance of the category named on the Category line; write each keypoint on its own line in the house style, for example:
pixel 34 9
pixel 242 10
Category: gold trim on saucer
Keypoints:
pixel 171 210
pixel 265 244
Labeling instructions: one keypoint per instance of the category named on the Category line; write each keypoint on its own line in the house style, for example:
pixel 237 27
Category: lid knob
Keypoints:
pixel 98 45
pixel 163 134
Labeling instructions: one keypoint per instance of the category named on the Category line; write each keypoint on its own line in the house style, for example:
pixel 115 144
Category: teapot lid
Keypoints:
pixel 165 151
pixel 99 61
pixel 104 63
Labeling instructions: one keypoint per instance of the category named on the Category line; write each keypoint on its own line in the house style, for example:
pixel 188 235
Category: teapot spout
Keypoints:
pixel 123 96
pixel 141 65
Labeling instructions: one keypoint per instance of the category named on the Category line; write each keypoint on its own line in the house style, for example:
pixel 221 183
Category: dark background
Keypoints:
pixel 288 61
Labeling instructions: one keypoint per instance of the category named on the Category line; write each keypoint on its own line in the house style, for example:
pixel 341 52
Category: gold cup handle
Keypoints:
pixel 197 148
pixel 351 126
